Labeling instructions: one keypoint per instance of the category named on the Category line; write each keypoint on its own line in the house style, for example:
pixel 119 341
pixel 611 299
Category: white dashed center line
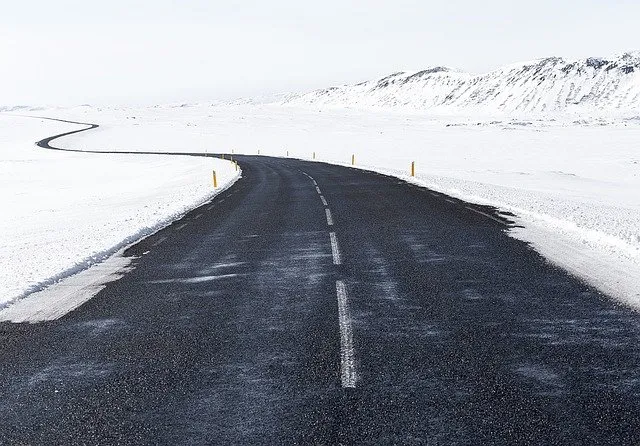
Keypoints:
pixel 197 216
pixel 181 226
pixel 347 363
pixel 329 217
pixel 335 249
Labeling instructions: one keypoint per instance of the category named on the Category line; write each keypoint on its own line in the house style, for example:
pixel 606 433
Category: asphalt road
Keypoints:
pixel 318 304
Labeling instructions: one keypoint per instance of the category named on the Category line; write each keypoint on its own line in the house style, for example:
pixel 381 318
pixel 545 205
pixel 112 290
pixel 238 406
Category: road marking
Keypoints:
pixel 486 215
pixel 329 217
pixel 181 226
pixel 323 200
pixel 210 207
pixel 450 201
pixel 335 249
pixel 347 363
pixel 318 190
pixel 314 183
pixel 197 216
pixel 162 239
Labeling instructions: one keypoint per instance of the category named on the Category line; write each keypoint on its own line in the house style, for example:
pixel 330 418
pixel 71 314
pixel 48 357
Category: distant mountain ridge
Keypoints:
pixel 546 85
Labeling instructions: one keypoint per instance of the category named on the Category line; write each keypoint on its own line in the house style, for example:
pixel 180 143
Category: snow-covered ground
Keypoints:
pixel 574 183
pixel 60 212
pixel 592 85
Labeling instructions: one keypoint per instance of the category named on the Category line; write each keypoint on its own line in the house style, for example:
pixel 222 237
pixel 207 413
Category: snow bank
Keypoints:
pixel 574 180
pixel 61 212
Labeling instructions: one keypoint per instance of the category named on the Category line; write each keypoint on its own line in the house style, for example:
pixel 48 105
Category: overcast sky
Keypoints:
pixel 82 51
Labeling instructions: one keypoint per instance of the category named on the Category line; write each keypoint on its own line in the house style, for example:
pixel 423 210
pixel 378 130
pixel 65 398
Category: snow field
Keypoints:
pixel 61 212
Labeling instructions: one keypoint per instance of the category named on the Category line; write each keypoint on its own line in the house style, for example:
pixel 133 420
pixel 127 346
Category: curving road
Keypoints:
pixel 317 304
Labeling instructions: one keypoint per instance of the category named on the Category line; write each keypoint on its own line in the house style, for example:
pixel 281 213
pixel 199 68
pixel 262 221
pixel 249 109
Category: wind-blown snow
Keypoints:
pixel 541 86
pixel 61 212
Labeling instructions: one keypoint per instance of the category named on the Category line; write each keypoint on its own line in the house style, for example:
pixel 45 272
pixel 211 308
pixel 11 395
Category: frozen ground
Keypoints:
pixel 61 212
pixel 573 182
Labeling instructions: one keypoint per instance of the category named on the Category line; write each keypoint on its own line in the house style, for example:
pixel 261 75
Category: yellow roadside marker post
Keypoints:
pixel 413 168
pixel 353 160
pixel 314 155
pixel 236 163
pixel 215 179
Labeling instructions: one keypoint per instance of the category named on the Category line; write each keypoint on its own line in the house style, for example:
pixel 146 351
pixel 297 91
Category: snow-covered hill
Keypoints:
pixel 546 85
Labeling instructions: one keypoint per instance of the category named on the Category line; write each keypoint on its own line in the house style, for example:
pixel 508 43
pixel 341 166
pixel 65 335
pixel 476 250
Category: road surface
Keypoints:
pixel 318 304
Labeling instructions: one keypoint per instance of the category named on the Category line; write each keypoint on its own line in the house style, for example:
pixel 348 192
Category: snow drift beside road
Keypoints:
pixel 548 85
pixel 60 212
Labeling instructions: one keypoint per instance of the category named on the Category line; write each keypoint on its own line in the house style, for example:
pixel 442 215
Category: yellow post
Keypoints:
pixel 413 168
pixel 215 180
pixel 222 156
pixel 353 160
pixel 314 155
pixel 287 153
pixel 258 151
pixel 236 163
pixel 231 158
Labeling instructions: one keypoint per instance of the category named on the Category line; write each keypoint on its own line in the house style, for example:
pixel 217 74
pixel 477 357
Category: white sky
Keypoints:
pixel 81 51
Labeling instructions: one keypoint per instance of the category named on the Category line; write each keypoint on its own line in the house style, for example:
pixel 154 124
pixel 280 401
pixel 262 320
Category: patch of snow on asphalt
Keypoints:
pixel 60 298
